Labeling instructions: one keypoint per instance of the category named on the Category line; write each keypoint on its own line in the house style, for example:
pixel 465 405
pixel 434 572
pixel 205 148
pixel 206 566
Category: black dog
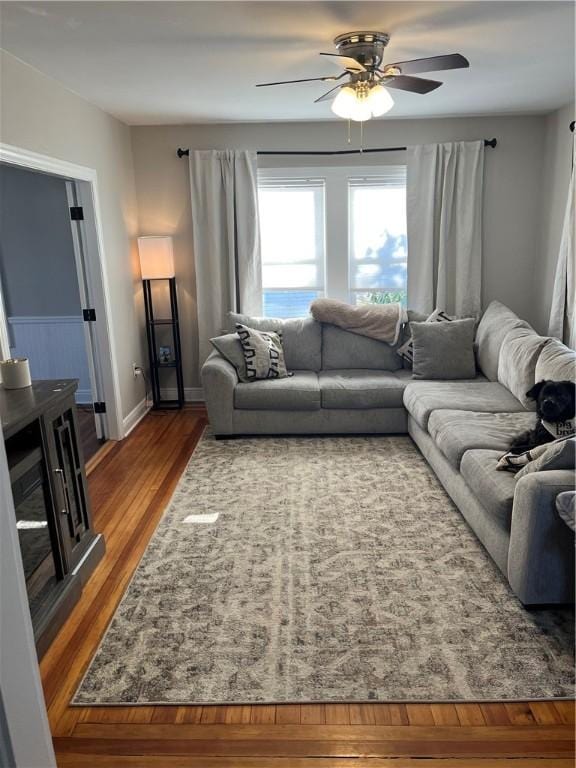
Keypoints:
pixel 555 403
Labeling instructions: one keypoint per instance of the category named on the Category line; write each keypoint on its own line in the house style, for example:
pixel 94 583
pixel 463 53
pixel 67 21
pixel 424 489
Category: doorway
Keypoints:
pixel 46 309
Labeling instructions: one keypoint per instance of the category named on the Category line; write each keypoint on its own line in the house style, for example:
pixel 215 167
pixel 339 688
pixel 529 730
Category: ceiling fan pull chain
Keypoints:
pixel 361 136
pixel 349 129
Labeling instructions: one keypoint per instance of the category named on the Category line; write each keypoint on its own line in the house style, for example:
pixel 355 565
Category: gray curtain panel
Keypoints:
pixel 562 323
pixel 226 236
pixel 444 222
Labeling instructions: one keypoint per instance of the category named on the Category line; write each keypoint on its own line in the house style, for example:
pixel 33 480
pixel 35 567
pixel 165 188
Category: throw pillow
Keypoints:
pixel 406 350
pixel 513 462
pixel 560 454
pixel 444 350
pixel 230 348
pixel 519 352
pixel 301 338
pixel 263 353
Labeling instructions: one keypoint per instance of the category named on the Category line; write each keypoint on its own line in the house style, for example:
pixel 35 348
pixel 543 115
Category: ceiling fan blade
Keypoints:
pixel 349 64
pixel 413 84
pixel 329 79
pixel 430 64
pixel 329 94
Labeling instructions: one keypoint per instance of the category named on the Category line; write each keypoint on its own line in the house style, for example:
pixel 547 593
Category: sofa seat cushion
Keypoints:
pixel 299 392
pixel 421 398
pixel 493 489
pixel 360 388
pixel 456 432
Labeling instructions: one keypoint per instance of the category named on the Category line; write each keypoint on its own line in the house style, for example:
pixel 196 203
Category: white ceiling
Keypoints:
pixel 180 62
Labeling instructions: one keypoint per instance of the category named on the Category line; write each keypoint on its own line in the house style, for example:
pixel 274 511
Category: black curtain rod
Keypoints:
pixel 186 152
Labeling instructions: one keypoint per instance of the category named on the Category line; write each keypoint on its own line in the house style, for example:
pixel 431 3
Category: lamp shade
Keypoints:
pixel 379 101
pixel 156 257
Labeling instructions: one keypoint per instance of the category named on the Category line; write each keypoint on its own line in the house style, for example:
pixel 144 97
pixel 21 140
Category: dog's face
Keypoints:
pixel 555 400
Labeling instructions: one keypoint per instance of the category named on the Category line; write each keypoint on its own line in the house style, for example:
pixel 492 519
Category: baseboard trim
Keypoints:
pixel 135 417
pixel 191 394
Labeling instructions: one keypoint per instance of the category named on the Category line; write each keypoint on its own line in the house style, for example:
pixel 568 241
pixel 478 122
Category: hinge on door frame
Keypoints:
pixel 77 213
pixel 100 407
pixel 89 315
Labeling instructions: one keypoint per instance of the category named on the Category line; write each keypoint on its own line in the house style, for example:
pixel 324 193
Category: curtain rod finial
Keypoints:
pixel 572 125
pixel 182 152
pixel 490 143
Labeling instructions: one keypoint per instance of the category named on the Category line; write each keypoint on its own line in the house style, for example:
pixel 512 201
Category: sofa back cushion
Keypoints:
pixel 496 322
pixel 519 352
pixel 301 338
pixel 557 362
pixel 342 349
pixel 444 350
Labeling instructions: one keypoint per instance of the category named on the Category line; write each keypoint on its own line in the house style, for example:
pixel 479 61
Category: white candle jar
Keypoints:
pixel 15 373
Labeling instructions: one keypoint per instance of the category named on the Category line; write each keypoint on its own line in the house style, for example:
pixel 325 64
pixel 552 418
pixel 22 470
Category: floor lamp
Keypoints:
pixel 157 263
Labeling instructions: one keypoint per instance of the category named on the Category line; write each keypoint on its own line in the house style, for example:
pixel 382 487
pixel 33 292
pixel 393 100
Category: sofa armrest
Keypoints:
pixel 541 556
pixel 219 379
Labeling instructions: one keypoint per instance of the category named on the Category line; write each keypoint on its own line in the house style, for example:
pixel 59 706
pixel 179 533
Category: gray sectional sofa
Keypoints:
pixel 344 383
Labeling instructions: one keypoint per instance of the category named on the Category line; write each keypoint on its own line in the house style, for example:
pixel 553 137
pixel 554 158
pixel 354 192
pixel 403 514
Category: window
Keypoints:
pixel 338 232
pixel 377 234
pixel 292 241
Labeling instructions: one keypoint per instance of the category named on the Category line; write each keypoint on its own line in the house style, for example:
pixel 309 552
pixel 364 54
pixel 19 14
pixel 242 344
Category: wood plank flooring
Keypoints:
pixel 130 487
pixel 87 429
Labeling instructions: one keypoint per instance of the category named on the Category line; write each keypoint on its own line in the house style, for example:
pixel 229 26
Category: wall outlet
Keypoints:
pixel 136 370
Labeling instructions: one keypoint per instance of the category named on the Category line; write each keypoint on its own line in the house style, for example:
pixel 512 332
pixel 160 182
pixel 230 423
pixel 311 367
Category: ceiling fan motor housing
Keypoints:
pixel 366 47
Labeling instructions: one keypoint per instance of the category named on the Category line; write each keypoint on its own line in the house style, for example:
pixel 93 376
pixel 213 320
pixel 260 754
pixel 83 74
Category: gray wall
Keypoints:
pixel 41 115
pixel 558 144
pixel 512 190
pixel 37 264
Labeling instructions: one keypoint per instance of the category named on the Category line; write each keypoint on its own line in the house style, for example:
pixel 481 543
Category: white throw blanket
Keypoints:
pixel 377 321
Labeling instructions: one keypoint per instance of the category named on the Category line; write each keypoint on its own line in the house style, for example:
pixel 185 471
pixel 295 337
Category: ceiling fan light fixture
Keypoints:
pixel 379 101
pixel 344 102
pixel 360 103
pixel 360 111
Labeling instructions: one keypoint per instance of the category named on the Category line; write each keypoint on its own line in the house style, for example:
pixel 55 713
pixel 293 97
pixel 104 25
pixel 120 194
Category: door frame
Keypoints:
pixel 95 275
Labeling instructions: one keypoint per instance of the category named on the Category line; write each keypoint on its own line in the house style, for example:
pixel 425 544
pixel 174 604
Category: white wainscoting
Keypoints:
pixel 55 347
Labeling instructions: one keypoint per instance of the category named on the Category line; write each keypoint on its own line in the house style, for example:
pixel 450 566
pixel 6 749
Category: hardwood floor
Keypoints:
pixel 130 486
pixel 87 428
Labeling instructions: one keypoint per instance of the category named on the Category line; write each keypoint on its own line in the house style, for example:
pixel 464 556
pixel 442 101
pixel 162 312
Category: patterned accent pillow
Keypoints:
pixel 406 351
pixel 263 353
pixel 559 454
pixel 230 348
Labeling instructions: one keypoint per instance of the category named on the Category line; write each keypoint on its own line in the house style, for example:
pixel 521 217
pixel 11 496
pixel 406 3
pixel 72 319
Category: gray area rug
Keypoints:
pixel 337 570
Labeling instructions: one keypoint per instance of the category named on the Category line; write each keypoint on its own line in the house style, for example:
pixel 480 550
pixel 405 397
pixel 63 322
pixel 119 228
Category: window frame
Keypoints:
pixel 394 178
pixel 303 182
pixel 337 211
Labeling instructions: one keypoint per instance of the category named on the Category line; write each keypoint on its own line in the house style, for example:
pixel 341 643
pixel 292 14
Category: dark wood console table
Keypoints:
pixel 59 546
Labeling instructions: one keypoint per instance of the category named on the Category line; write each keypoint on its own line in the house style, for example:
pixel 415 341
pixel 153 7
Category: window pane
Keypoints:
pixel 378 251
pixel 292 235
pixel 288 303
pixel 380 297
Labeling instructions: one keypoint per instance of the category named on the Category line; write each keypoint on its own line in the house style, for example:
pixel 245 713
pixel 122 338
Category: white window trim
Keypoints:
pixel 337 226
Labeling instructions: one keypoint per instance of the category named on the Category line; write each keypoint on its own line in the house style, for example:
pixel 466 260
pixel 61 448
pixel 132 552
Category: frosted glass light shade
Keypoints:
pixel 360 110
pixel 344 102
pixel 156 257
pixel 359 106
pixel 379 100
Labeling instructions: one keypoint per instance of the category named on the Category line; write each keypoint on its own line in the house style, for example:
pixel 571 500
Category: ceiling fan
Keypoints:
pixel 363 94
